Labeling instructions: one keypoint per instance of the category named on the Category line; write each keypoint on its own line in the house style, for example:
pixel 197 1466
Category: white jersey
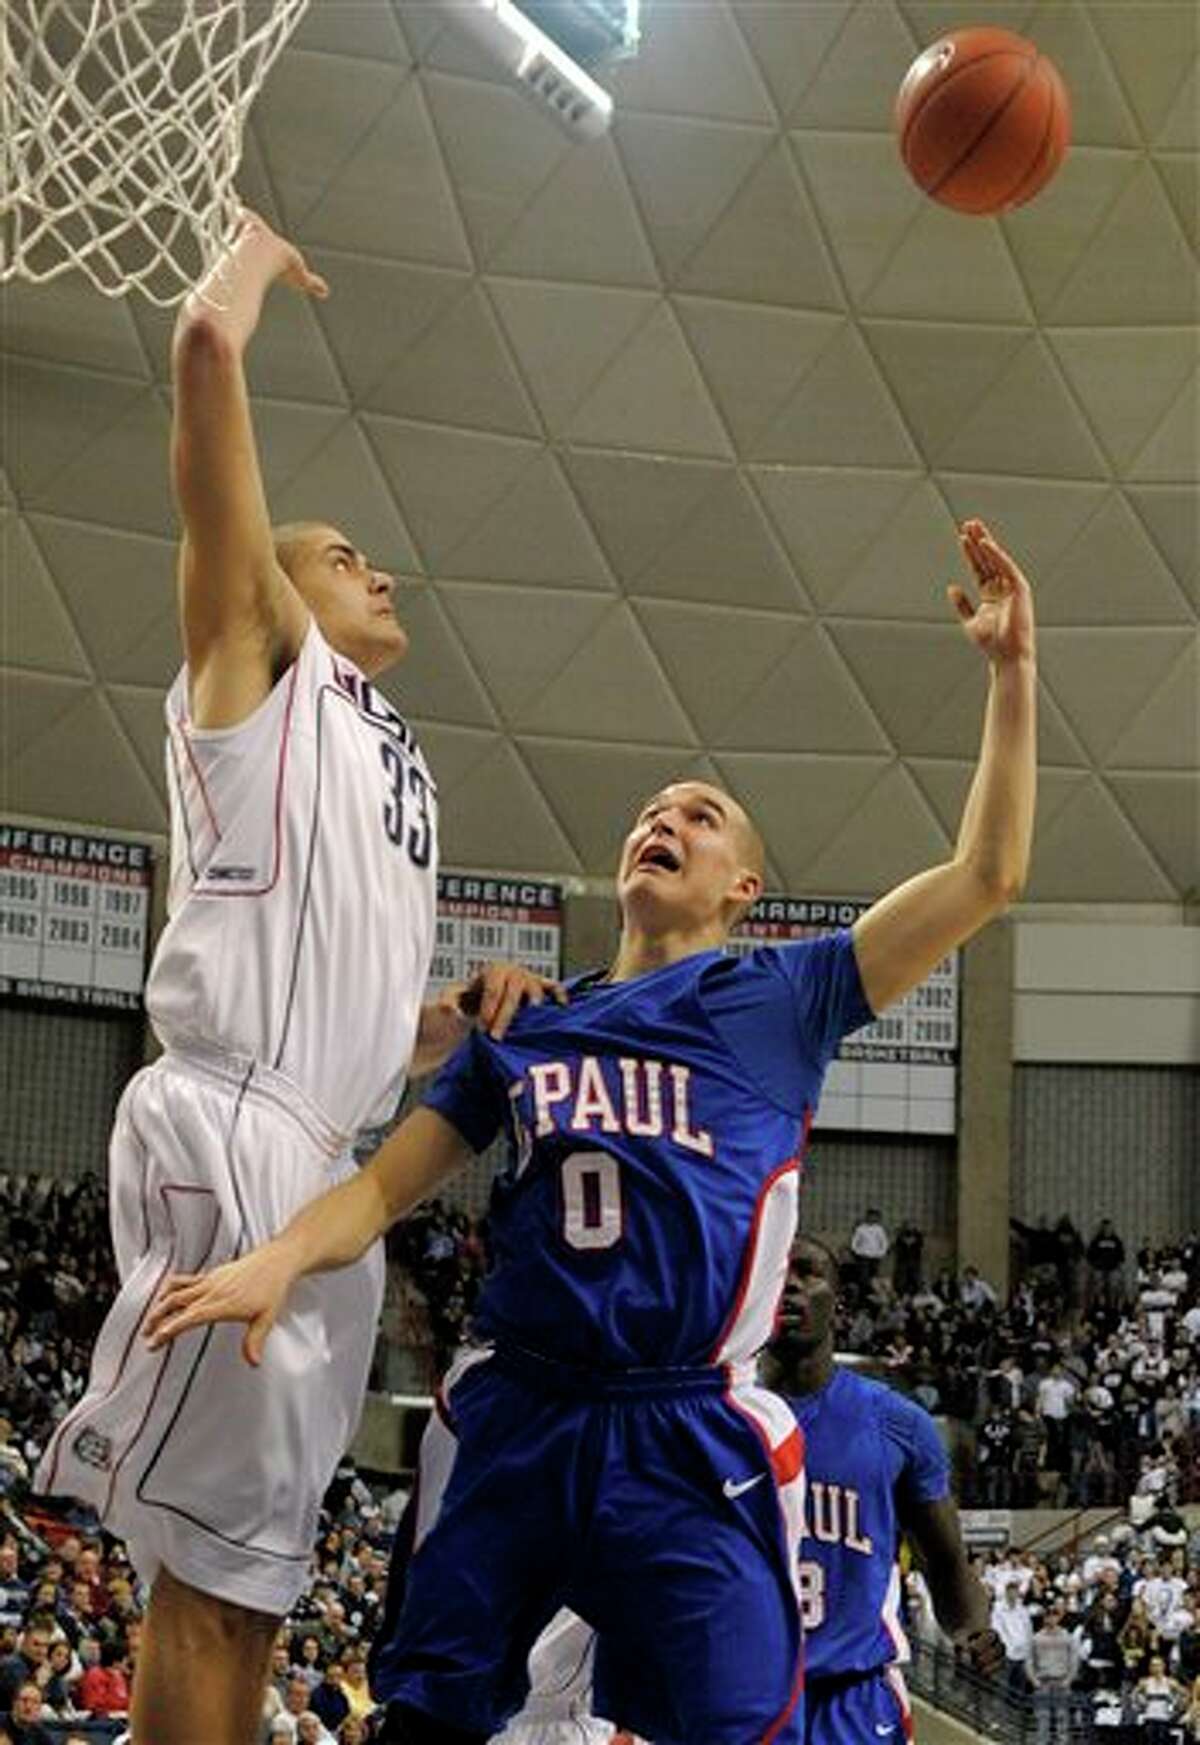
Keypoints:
pixel 303 887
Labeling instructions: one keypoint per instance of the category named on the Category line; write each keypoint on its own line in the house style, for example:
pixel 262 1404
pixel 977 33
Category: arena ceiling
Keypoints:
pixel 667 436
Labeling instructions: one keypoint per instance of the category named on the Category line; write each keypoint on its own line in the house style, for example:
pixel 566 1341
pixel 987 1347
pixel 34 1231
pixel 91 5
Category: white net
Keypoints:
pixel 121 134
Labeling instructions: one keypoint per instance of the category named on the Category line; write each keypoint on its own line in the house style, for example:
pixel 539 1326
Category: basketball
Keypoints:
pixel 983 120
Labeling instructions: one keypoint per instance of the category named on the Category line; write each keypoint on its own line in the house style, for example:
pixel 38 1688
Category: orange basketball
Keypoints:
pixel 983 120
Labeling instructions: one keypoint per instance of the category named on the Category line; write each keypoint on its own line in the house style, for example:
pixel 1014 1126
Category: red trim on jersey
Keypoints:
pixel 791 1165
pixel 284 741
pixel 787 1461
pixel 894 1679
pixel 199 775
pixel 60 1433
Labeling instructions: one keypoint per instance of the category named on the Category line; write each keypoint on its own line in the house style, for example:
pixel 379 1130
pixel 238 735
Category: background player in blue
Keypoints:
pixel 875 1467
pixel 605 1445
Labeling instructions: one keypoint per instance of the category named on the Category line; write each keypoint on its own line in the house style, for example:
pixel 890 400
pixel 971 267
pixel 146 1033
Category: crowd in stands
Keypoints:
pixel 1082 1388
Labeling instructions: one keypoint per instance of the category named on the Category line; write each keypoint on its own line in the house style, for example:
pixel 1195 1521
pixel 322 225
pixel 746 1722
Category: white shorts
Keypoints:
pixel 199 1461
pixel 558 1709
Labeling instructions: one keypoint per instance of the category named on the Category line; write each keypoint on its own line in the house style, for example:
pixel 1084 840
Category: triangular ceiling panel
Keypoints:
pixel 829 518
pixel 1126 379
pixel 790 43
pixel 950 271
pixel 864 209
pixel 1103 678
pixel 377 310
pixel 684 174
pixel 342 483
pixel 892 834
pixel 1180 176
pixel 36 631
pixel 903 669
pixel 1173 452
pixel 1152 65
pixel 496 159
pixel 997 438
pixel 1038 520
pixel 939 373
pixel 1166 734
pixel 494 625
pixel 133 488
pixel 565 336
pixel 460 374
pixel 1101 113
pixel 1138 269
pixel 1112 574
pixel 808 702
pixel 612 687
pixel 65 322
pixel 535 533
pixel 905 571
pixel 1047 235
pixel 1090 853
pixel 497 816
pixel 799 802
pixel 652 394
pixel 767 247
pixel 636 503
pixel 860 74
pixel 582 224
pixel 725 552
pixel 752 357
pixel 842 413
pixel 140 712
pixel 139 644
pixel 289 439
pixel 1166 812
pixel 695 62
pixel 435 666
pixel 717 658
pixel 445 480
pixel 52 414
pixel 79 752
pixel 1171 513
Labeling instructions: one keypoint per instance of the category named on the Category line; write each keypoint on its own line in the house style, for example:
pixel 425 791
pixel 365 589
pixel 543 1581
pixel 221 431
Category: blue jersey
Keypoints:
pixel 870 1453
pixel 654 1125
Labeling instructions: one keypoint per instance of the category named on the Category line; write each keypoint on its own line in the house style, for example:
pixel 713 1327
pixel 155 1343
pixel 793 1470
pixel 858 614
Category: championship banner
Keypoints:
pixel 74 917
pixel 899 1074
pixel 480 918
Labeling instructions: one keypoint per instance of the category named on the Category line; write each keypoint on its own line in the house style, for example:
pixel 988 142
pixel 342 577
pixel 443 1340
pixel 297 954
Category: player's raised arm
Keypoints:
pixel 331 1231
pixel 242 619
pixel 900 939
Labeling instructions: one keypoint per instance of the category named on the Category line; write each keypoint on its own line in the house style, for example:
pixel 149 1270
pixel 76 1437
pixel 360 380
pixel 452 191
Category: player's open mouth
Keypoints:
pixel 658 854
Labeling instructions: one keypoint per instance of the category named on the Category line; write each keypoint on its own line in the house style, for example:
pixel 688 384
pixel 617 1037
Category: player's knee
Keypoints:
pixel 405 1726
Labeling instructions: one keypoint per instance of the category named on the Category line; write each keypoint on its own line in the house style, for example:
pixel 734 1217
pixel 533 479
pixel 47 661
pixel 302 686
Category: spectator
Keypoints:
pixel 28 1661
pixel 1158 1701
pixel 1100 1648
pixel 104 1689
pixel 1105 1258
pixel 1055 1396
pixel 993 1454
pixel 1138 1641
pixel 974 1292
pixel 14 1593
pixel 310 1731
pixel 327 1699
pixel 24 1723
pixel 906 1259
pixel 1013 1623
pixel 869 1246
pixel 1052 1664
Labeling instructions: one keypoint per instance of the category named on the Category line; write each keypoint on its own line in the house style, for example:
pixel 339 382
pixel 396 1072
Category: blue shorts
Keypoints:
pixel 873 1709
pixel 659 1505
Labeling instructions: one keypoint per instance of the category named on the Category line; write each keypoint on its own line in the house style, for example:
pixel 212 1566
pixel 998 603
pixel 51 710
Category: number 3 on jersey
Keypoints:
pixel 812 1594
pixel 405 777
pixel 591 1198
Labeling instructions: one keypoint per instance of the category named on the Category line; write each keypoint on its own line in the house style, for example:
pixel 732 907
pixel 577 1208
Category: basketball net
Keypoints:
pixel 121 134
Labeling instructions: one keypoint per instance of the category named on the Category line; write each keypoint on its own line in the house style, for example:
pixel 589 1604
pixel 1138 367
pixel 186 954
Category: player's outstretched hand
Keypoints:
pixel 986 1652
pixel 287 263
pixel 496 993
pixel 1000 623
pixel 251 1289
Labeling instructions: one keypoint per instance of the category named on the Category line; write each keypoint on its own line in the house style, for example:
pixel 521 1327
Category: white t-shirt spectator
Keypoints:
pixel 869 1240
pixel 1054 1396
pixel 1013 1624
